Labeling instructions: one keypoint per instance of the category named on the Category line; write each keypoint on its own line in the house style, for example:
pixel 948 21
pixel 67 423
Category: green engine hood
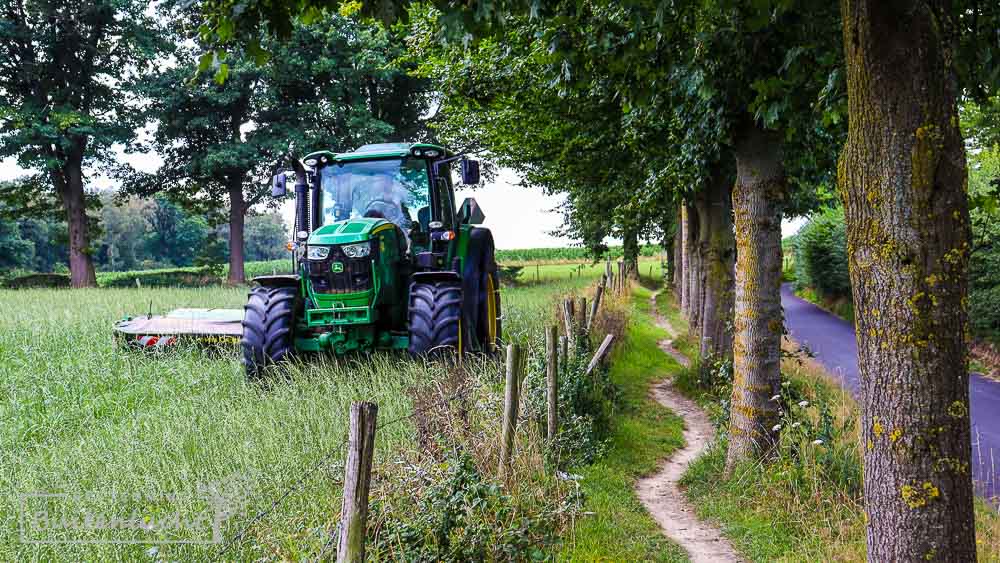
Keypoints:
pixel 346 232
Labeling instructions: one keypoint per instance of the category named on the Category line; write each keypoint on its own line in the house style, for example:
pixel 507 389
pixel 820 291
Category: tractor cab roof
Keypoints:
pixel 381 150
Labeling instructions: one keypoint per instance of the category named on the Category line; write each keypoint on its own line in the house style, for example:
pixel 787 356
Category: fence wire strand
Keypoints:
pixel 326 457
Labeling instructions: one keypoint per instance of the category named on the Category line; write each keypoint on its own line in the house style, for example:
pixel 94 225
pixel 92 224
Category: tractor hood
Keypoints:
pixel 347 232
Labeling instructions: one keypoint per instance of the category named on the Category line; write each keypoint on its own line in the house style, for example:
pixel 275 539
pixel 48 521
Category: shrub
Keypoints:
pixel 38 280
pixel 821 255
pixel 168 277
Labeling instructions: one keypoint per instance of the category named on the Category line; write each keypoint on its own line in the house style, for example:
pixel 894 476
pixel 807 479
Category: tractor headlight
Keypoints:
pixel 319 252
pixel 359 250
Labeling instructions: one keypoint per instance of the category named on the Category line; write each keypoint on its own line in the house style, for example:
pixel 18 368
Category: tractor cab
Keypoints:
pixel 383 259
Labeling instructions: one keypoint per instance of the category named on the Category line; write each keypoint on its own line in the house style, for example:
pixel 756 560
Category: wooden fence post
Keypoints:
pixel 621 276
pixel 510 404
pixel 357 482
pixel 563 351
pixel 538 276
pixel 568 317
pixel 602 351
pixel 552 379
pixel 581 316
pixel 594 306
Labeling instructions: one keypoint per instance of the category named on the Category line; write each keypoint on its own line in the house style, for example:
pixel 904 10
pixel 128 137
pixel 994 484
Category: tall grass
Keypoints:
pixel 82 415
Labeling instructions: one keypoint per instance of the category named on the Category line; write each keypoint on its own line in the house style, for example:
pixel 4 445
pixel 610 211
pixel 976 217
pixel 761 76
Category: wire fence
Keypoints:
pixel 323 460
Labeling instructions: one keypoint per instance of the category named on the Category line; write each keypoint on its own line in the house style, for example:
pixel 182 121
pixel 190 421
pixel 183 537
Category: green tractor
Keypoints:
pixel 383 259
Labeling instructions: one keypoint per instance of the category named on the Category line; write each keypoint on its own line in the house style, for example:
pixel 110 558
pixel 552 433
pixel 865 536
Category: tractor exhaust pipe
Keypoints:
pixel 301 206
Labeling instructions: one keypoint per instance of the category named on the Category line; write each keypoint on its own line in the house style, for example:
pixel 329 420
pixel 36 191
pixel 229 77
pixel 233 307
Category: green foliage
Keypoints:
pixel 332 84
pixel 265 237
pixel 63 66
pixel 984 262
pixel 167 277
pixel 821 255
pixel 457 514
pixel 585 406
pixel 568 253
pixel 15 252
pixel 30 281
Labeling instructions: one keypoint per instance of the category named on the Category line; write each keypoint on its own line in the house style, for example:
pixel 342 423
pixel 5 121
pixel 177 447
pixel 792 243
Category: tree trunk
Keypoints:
pixel 695 279
pixel 237 215
pixel 69 184
pixel 676 258
pixel 903 182
pixel 685 277
pixel 757 320
pixel 719 246
pixel 668 250
pixel 630 251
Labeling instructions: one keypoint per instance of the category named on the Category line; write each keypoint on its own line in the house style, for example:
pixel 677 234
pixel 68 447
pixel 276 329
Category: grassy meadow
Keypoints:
pixel 83 415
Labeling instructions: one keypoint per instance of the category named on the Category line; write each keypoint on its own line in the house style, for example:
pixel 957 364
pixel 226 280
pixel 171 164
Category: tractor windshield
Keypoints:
pixel 387 189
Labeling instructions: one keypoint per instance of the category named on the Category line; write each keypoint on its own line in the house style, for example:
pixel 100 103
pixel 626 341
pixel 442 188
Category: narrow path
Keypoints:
pixel 660 493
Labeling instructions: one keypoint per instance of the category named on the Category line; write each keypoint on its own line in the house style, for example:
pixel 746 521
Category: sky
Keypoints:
pixel 519 217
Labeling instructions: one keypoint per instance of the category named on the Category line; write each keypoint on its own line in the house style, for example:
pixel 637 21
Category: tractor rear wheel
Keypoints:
pixel 435 317
pixel 268 320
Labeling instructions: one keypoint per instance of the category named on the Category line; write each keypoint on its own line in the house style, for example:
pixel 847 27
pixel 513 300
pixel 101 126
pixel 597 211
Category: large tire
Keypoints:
pixel 489 329
pixel 435 317
pixel 268 320
pixel 483 275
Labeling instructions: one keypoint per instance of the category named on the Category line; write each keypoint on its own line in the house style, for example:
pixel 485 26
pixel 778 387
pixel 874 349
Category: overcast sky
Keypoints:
pixel 519 217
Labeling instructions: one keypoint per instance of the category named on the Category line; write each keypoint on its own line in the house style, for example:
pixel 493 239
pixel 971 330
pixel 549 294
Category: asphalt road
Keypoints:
pixel 832 341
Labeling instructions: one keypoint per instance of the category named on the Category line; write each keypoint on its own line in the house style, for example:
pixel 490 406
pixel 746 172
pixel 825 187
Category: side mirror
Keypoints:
pixel 470 172
pixel 470 213
pixel 278 187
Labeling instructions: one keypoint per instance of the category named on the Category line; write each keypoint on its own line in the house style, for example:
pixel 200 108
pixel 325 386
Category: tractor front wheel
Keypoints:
pixel 435 317
pixel 268 320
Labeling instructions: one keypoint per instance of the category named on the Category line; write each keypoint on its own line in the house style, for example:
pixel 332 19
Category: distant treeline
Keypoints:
pixel 568 253
pixel 137 234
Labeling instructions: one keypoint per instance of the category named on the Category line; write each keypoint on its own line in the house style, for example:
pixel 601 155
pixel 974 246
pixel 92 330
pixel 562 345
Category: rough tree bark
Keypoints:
pixel 719 247
pixel 757 320
pixel 695 278
pixel 69 184
pixel 676 258
pixel 903 183
pixel 630 251
pixel 685 289
pixel 237 217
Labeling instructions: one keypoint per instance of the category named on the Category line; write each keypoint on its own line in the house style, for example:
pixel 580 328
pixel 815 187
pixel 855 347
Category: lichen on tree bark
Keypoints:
pixel 902 177
pixel 757 320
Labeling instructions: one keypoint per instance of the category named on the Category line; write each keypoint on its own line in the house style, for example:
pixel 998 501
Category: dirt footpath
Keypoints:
pixel 660 492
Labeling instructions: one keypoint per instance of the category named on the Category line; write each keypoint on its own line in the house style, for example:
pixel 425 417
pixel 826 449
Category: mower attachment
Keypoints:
pixel 211 326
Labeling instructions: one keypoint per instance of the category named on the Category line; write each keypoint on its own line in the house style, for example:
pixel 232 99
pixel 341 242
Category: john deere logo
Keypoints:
pixel 337 267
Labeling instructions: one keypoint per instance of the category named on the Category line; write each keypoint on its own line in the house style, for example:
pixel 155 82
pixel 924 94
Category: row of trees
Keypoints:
pixel 632 107
pixel 78 79
pixel 138 233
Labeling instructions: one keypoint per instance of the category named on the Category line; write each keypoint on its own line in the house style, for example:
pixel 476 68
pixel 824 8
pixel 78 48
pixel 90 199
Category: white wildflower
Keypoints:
pixel 776 428
pixel 803 404
pixel 796 424
pixel 776 397
pixel 817 442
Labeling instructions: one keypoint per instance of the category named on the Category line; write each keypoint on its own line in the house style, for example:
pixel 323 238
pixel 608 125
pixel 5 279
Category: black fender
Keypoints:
pixel 279 280
pixel 478 260
pixel 431 277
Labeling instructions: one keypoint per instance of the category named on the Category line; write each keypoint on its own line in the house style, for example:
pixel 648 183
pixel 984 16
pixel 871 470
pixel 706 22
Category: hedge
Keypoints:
pixel 821 255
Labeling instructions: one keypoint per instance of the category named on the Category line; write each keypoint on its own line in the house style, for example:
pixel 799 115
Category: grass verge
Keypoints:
pixel 619 528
